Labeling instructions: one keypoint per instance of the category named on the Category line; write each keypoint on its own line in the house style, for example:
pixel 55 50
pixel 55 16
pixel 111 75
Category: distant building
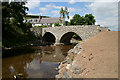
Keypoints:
pixel 43 21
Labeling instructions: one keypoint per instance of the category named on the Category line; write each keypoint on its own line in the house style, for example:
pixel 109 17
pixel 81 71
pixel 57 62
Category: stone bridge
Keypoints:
pixel 63 34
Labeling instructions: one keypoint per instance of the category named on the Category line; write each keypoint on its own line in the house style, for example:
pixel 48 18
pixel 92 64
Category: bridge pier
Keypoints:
pixel 57 41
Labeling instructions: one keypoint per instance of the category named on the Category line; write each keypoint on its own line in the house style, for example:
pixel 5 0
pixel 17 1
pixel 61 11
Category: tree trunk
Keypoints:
pixel 63 21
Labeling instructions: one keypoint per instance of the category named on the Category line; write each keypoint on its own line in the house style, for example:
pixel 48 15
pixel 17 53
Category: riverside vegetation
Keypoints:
pixel 15 32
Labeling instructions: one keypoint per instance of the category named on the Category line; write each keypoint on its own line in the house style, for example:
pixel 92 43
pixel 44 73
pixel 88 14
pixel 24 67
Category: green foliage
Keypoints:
pixel 77 20
pixel 57 24
pixel 67 23
pixel 42 26
pixel 51 25
pixel 28 25
pixel 13 14
pixel 63 14
pixel 77 37
pixel 15 32
pixel 72 58
pixel 89 19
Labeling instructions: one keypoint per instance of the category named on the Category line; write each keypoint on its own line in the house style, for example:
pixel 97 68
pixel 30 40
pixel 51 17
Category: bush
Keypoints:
pixel 77 37
pixel 28 25
pixel 42 26
pixel 57 24
pixel 67 23
pixel 51 25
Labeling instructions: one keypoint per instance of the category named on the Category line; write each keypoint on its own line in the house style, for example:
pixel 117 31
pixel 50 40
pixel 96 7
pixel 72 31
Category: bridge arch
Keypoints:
pixel 66 37
pixel 49 38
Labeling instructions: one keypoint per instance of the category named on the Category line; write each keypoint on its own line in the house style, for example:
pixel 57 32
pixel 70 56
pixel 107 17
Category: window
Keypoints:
pixel 35 20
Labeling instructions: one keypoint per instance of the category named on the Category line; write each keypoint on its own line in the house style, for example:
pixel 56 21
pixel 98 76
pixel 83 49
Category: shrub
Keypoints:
pixel 28 25
pixel 57 24
pixel 51 25
pixel 42 26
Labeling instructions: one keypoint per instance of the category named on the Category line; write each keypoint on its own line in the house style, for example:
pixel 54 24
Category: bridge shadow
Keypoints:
pixel 48 39
pixel 70 38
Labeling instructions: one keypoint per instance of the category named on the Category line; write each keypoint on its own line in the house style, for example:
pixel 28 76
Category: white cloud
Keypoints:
pixel 72 1
pixel 106 13
pixel 33 14
pixel 55 12
pixel 53 6
pixel 57 7
pixel 31 4
pixel 106 0
pixel 43 9
pixel 70 9
pixel 70 17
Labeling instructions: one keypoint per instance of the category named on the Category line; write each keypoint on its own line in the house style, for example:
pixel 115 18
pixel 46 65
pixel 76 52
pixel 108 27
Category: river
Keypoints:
pixel 34 62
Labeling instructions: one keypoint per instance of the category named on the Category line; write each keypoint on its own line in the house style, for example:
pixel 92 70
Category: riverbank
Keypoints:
pixel 95 58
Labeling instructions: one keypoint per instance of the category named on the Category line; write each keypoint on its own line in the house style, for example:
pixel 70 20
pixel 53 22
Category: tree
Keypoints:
pixel 77 20
pixel 13 14
pixel 63 14
pixel 13 29
pixel 67 23
pixel 89 19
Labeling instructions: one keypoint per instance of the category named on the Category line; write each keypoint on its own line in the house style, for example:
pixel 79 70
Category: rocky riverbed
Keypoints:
pixel 95 58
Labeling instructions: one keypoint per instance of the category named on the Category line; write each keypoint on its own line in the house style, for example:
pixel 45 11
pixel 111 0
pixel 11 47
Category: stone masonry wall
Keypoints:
pixel 37 31
pixel 85 32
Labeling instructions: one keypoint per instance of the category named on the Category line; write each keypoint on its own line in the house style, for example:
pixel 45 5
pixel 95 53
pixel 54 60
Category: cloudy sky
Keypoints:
pixel 105 11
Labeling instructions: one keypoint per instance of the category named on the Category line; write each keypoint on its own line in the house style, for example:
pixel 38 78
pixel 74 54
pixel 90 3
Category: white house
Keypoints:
pixel 43 21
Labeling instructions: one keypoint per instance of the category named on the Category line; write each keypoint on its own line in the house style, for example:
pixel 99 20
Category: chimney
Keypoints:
pixel 39 18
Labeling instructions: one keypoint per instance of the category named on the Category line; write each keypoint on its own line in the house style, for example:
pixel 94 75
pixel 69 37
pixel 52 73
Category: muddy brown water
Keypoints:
pixel 34 62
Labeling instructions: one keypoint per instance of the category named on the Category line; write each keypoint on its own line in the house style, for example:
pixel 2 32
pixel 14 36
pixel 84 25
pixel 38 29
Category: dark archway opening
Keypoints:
pixel 70 38
pixel 48 38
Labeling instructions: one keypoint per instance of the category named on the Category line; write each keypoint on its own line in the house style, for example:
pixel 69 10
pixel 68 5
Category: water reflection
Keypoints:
pixel 35 62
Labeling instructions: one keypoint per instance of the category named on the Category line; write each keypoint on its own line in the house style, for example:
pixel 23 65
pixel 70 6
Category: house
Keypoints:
pixel 43 21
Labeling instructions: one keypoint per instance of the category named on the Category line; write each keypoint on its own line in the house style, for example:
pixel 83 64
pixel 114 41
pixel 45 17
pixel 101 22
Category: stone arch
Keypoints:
pixel 48 38
pixel 67 37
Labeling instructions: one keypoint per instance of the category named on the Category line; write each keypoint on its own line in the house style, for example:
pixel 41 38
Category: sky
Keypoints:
pixel 105 11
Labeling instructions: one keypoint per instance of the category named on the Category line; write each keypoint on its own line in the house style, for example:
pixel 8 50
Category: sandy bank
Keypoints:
pixel 97 59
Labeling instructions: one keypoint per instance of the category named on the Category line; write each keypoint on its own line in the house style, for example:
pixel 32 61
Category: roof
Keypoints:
pixel 44 20
pixel 49 20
